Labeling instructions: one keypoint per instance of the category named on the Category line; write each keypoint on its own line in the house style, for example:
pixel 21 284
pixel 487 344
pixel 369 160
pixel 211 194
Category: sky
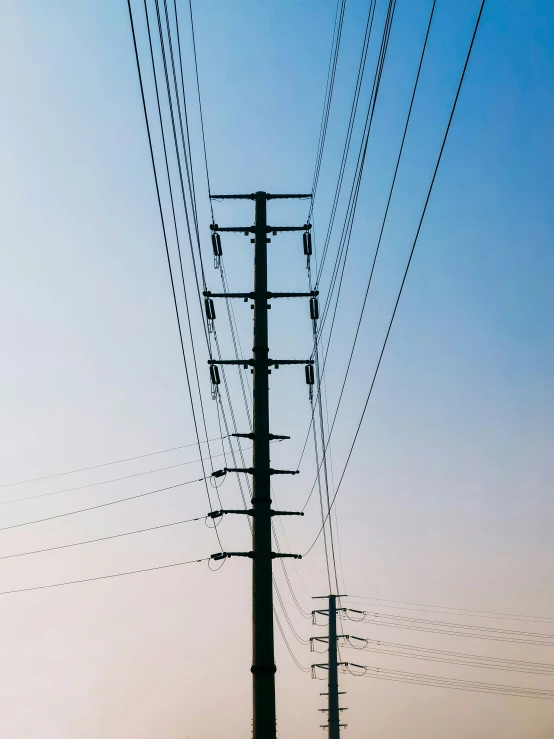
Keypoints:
pixel 447 497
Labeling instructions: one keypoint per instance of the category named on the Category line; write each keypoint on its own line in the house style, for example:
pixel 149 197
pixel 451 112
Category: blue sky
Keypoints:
pixel 447 497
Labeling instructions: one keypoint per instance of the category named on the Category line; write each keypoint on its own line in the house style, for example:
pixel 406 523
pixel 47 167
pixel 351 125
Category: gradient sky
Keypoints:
pixel 447 498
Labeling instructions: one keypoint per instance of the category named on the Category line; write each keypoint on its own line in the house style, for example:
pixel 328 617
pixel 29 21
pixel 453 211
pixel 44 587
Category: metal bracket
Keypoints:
pixel 272 437
pixel 274 555
pixel 325 666
pixel 268 295
pixel 268 196
pixel 245 296
pixel 251 512
pixel 311 294
pixel 252 229
pixel 325 611
pixel 251 471
pixel 250 362
pixel 218 514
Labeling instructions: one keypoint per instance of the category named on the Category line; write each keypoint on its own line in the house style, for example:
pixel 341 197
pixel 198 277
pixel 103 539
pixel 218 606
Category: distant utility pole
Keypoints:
pixel 333 711
pixel 263 661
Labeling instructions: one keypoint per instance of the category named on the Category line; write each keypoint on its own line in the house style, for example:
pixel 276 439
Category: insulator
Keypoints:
pixel 216 244
pixel 314 309
pixel 214 374
pixel 210 309
pixel 309 369
pixel 307 236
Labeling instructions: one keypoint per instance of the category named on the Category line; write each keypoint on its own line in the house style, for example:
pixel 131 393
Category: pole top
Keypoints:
pixel 314 597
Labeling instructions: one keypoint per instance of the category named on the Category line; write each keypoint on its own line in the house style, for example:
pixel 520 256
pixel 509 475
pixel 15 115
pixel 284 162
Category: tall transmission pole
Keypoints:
pixel 333 711
pixel 263 657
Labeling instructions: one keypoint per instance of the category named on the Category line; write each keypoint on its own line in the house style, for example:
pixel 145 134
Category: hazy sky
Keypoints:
pixel 447 499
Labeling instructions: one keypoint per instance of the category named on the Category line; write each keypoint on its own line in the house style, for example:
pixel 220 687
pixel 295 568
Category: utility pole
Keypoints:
pixel 263 659
pixel 333 711
pixel 333 683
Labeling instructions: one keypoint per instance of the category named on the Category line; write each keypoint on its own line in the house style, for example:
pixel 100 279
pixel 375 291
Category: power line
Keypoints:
pixel 106 482
pixel 501 615
pixel 452 683
pixel 162 219
pixel 200 106
pixel 103 577
pixel 331 72
pixel 99 505
pixel 350 127
pixel 289 649
pixel 541 640
pixel 356 182
pixel 315 353
pixel 393 649
pixel 391 190
pixel 103 464
pixel 178 159
pixel 296 635
pixel 409 261
pixel 102 538
pixel 470 627
pixel 344 241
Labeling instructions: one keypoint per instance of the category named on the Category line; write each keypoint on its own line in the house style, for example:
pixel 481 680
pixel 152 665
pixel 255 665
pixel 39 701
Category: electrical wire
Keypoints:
pixel 296 635
pixel 350 127
pixel 315 353
pixel 106 482
pixel 453 683
pixel 391 190
pixel 456 658
pixel 344 241
pixel 409 259
pixel 331 72
pixel 449 624
pixel 200 108
pixel 103 464
pixel 104 577
pixel 501 615
pixel 452 630
pixel 289 649
pixel 99 505
pixel 181 181
pixel 166 243
pixel 102 538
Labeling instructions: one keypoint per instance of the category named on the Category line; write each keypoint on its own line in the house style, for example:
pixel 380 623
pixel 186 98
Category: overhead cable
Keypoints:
pixel 99 505
pixel 331 72
pixel 162 219
pixel 102 538
pixel 106 482
pixel 425 607
pixel 104 464
pixel 452 683
pixel 409 261
pixel 103 577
